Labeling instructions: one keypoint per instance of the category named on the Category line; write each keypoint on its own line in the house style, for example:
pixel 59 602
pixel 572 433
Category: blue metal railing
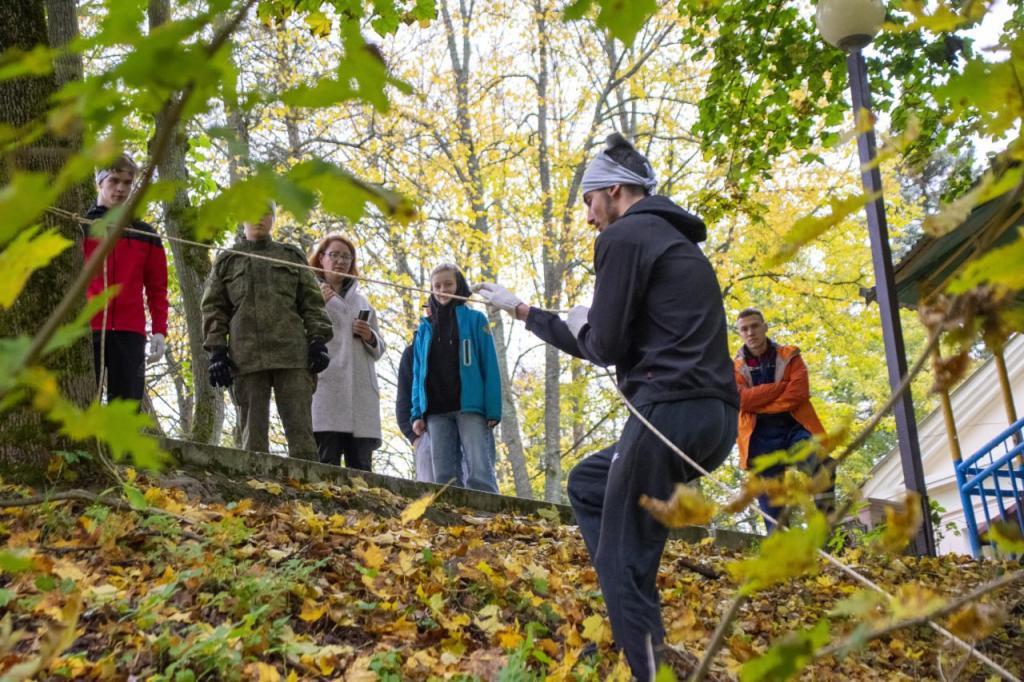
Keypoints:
pixel 995 474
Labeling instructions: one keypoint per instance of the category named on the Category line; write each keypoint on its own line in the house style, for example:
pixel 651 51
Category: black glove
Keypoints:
pixel 318 358
pixel 220 368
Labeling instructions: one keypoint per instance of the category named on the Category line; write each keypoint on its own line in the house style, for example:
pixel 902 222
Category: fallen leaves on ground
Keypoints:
pixel 322 581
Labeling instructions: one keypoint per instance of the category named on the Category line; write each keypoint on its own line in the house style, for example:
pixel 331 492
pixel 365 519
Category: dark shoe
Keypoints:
pixel 589 650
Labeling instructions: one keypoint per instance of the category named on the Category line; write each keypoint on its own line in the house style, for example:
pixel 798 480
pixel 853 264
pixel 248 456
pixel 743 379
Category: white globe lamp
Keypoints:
pixel 850 24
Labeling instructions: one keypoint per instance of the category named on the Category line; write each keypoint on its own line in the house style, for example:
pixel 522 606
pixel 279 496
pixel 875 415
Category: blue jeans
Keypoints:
pixel 769 438
pixel 458 435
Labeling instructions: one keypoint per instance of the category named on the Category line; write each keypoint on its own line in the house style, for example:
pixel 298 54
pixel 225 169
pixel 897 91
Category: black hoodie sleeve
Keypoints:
pixel 621 273
pixel 552 329
pixel 403 402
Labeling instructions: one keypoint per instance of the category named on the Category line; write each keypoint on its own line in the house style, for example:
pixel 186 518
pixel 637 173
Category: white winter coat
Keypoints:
pixel 347 398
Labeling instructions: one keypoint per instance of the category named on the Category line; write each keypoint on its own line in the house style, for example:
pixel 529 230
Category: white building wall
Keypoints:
pixel 980 416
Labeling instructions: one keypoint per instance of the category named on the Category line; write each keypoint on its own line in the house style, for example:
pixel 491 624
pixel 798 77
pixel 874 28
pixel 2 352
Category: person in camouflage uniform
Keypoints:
pixel 265 328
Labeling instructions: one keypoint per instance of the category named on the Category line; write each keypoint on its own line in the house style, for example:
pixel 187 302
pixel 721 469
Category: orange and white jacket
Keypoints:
pixel 790 392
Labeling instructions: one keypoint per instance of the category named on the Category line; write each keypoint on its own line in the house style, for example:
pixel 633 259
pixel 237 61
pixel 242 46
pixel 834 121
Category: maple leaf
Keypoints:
pixel 686 507
pixel 118 423
pixel 262 672
pixel 901 524
pixel 418 507
pixel 596 630
pixel 59 636
pixel 268 486
pixel 788 657
pixel 372 556
pixel 1006 536
pixel 311 611
pixel 977 621
pixel 810 227
pixel 784 554
pixel 488 619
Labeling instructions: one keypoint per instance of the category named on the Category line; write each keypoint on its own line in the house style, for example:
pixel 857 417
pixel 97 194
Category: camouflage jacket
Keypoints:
pixel 265 313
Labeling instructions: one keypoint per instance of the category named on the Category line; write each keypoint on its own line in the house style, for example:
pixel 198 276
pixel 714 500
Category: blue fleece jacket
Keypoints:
pixel 480 390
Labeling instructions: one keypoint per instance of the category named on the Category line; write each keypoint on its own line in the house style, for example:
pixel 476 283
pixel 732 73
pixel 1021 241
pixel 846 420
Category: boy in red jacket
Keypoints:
pixel 137 264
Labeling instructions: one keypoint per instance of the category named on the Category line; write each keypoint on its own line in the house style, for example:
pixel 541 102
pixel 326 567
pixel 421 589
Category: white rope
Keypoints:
pixel 862 579
pixel 211 247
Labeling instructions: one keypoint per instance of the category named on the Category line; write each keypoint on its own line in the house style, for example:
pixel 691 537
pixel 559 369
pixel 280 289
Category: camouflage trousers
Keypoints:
pixel 293 393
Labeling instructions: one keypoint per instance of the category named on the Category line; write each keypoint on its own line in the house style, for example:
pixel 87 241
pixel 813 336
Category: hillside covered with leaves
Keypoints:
pixel 210 579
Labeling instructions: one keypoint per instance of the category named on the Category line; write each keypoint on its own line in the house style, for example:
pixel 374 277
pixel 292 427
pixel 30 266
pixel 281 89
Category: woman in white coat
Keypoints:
pixel 346 404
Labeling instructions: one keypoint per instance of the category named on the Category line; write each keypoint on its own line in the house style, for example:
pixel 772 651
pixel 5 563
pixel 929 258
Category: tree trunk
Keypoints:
pixel 26 440
pixel 510 433
pixel 192 266
pixel 62 28
pixel 551 255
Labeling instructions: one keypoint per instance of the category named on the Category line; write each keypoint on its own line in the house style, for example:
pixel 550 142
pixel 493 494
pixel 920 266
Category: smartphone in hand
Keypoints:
pixel 363 315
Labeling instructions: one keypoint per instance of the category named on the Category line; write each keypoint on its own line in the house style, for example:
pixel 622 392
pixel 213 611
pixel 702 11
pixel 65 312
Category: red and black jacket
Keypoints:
pixel 137 262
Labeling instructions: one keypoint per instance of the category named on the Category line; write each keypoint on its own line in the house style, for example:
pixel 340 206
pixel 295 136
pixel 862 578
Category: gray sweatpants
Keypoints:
pixel 624 541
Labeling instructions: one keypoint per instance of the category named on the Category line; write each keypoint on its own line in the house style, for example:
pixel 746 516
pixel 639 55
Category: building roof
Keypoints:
pixel 933 261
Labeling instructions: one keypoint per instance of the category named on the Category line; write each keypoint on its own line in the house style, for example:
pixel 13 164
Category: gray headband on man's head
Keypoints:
pixel 604 171
pixel 102 174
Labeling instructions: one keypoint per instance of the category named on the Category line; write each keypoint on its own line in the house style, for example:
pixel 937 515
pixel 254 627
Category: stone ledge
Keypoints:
pixel 261 465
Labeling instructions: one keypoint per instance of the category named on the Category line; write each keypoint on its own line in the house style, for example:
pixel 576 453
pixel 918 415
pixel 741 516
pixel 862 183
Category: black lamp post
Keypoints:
pixel 851 25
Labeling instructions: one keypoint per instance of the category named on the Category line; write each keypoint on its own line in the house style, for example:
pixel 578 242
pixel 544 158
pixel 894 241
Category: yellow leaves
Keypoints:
pixel 685 628
pixel 417 508
pixel 59 636
pixel 29 250
pixel 312 611
pixel 406 564
pixel 262 672
pixel 69 570
pixel 372 556
pixel 278 554
pixel 267 486
pixel 403 628
pixel 810 227
pixel 999 267
pixel 162 499
pixel 1007 537
pixel 901 524
pixel 448 604
pixel 914 601
pixel 896 145
pixel 977 621
pixel 310 520
pixel 421 661
pixel 509 639
pixel 118 423
pixel 942 18
pixel 956 212
pixel 596 630
pixel 488 619
pixel 784 554
pixel 686 507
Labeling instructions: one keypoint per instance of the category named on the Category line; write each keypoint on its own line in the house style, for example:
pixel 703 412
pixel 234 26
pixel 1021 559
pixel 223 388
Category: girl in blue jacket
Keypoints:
pixel 456 389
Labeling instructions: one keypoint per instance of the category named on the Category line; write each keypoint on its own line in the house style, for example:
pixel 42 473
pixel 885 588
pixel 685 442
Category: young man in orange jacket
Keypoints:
pixel 775 403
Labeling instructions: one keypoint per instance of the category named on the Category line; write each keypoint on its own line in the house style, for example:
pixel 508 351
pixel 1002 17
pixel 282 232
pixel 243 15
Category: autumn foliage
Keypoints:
pixel 323 581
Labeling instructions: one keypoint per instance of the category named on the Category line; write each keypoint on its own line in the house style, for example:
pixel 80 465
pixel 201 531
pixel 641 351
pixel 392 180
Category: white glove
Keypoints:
pixel 497 296
pixel 577 318
pixel 157 347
